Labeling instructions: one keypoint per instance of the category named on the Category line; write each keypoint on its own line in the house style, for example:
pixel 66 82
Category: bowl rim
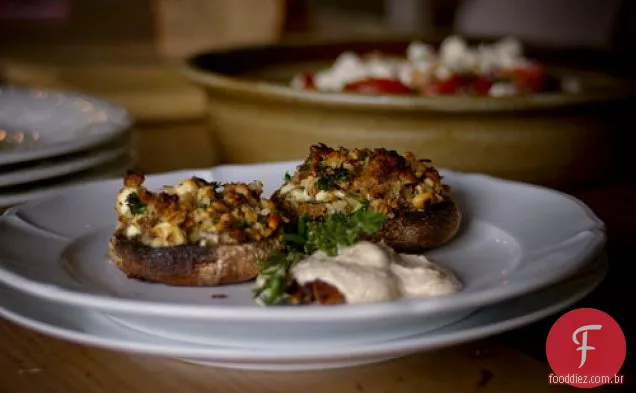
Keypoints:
pixel 192 69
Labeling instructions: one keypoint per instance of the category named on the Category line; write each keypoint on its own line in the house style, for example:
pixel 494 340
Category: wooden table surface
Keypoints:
pixel 30 362
pixel 512 362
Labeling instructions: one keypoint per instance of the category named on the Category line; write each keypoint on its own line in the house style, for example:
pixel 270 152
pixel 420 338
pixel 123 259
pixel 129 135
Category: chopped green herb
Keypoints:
pixel 330 179
pixel 238 224
pixel 134 204
pixel 327 235
pixel 275 270
pixel 287 177
pixel 364 202
pixel 323 183
pixel 341 230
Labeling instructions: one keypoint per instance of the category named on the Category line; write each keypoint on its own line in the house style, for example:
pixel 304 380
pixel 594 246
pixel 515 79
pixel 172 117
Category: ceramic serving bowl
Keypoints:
pixel 553 139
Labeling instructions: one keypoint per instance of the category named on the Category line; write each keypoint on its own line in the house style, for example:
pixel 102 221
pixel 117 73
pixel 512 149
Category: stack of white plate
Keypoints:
pixel 50 140
pixel 524 253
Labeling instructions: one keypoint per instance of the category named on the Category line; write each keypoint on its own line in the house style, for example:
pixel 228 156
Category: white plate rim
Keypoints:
pixel 415 307
pixel 109 171
pixel 87 160
pixel 399 347
pixel 114 130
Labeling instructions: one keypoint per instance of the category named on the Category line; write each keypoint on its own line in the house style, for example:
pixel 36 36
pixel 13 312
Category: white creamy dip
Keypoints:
pixel 368 272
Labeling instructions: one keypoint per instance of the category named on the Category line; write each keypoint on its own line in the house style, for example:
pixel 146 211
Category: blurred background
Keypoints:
pixel 128 51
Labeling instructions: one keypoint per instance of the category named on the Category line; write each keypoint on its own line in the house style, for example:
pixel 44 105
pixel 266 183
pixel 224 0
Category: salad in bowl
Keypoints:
pixel 455 68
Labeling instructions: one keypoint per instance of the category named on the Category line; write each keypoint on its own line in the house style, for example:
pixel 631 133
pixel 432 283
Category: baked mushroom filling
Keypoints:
pixel 342 180
pixel 195 212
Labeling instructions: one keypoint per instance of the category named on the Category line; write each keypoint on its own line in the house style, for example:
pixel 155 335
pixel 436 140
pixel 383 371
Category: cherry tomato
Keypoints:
pixel 308 80
pixel 529 78
pixel 480 86
pixel 452 85
pixel 378 86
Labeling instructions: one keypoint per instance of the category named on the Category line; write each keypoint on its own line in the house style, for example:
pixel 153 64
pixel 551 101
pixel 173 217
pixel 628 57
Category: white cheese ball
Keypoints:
pixel 347 68
pixel 502 89
pixel 382 68
pixel 452 50
pixel 418 51
pixel 509 47
pixel 405 74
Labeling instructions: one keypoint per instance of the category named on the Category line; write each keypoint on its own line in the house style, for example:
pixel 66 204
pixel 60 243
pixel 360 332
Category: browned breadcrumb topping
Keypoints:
pixel 195 212
pixel 387 181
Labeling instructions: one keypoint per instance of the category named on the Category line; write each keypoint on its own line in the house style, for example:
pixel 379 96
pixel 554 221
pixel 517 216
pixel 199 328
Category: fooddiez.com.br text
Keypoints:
pixel 554 379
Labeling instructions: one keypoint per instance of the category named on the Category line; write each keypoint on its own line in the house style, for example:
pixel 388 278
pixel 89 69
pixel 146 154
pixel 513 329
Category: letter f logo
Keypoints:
pixel 584 347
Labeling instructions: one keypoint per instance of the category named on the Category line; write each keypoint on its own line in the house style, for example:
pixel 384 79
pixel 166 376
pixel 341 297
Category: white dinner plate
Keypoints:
pixel 23 173
pixel 14 195
pixel 515 238
pixel 83 326
pixel 36 124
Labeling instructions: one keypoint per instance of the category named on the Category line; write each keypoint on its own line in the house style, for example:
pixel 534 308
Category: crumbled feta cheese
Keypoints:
pixel 509 47
pixel 442 72
pixel 347 61
pixel 512 62
pixel 418 51
pixel 186 187
pixel 380 68
pixel 132 231
pixel 453 51
pixel 502 89
pixel 346 69
pixel 122 200
pixel 456 55
pixel 423 63
pixel 405 74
